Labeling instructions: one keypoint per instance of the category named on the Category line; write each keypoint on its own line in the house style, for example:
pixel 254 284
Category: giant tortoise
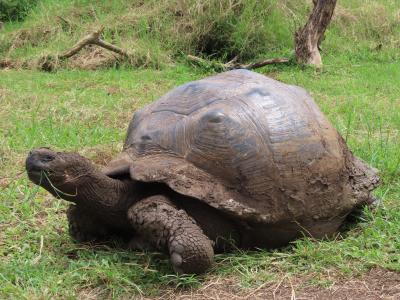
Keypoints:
pixel 236 160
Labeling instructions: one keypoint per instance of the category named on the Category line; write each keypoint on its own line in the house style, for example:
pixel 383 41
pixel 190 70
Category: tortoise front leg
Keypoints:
pixel 166 227
pixel 83 227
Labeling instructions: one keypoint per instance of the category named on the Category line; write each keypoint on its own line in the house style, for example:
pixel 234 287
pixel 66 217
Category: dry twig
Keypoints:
pixel 234 65
pixel 50 62
pixel 92 39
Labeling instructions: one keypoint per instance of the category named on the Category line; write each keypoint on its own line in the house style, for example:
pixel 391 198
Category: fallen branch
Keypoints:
pixel 198 59
pixel 111 47
pixel 51 62
pixel 92 39
pixel 233 65
pixel 262 63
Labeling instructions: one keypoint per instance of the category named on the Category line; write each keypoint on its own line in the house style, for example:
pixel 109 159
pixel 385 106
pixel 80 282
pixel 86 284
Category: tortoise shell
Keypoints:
pixel 250 146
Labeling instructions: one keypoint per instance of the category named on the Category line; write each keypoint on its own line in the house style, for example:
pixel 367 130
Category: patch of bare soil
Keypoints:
pixel 378 283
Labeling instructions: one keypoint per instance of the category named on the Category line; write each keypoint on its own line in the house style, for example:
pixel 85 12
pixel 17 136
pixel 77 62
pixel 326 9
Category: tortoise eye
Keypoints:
pixel 47 158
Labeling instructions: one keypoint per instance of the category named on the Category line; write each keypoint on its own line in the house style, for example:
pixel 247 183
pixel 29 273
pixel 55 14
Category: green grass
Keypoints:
pixel 89 112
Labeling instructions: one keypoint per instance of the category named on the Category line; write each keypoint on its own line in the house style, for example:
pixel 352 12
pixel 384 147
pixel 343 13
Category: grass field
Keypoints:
pixel 88 111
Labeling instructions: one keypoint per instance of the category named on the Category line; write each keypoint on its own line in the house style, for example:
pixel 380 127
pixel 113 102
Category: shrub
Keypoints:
pixel 15 10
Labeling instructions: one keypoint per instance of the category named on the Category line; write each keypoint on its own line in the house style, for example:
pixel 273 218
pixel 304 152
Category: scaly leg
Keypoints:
pixel 170 229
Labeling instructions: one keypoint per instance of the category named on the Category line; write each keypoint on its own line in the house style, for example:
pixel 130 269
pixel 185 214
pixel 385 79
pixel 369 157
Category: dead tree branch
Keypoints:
pixel 50 62
pixel 234 65
pixel 260 64
pixel 111 47
pixel 92 39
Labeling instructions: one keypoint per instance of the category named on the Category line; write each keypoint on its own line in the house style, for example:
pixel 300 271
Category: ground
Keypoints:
pixel 375 284
pixel 89 111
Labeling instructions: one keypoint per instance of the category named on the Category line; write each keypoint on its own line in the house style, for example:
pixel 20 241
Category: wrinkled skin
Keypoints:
pixel 104 208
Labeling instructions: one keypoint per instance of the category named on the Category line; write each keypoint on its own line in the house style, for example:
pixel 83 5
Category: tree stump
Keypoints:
pixel 308 38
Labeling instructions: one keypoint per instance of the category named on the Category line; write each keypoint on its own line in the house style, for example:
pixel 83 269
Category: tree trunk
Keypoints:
pixel 308 38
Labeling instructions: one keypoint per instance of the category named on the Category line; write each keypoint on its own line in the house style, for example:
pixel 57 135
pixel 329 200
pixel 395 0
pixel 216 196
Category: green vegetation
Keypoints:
pixel 88 111
pixel 158 33
pixel 15 10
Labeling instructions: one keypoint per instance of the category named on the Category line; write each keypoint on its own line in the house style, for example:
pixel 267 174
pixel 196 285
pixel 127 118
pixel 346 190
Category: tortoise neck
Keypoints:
pixel 101 193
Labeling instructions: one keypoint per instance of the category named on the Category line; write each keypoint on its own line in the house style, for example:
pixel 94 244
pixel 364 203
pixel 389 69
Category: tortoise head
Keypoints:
pixel 72 177
pixel 61 173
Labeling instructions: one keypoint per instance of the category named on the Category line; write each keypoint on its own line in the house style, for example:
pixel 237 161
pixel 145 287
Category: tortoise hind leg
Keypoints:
pixel 166 227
